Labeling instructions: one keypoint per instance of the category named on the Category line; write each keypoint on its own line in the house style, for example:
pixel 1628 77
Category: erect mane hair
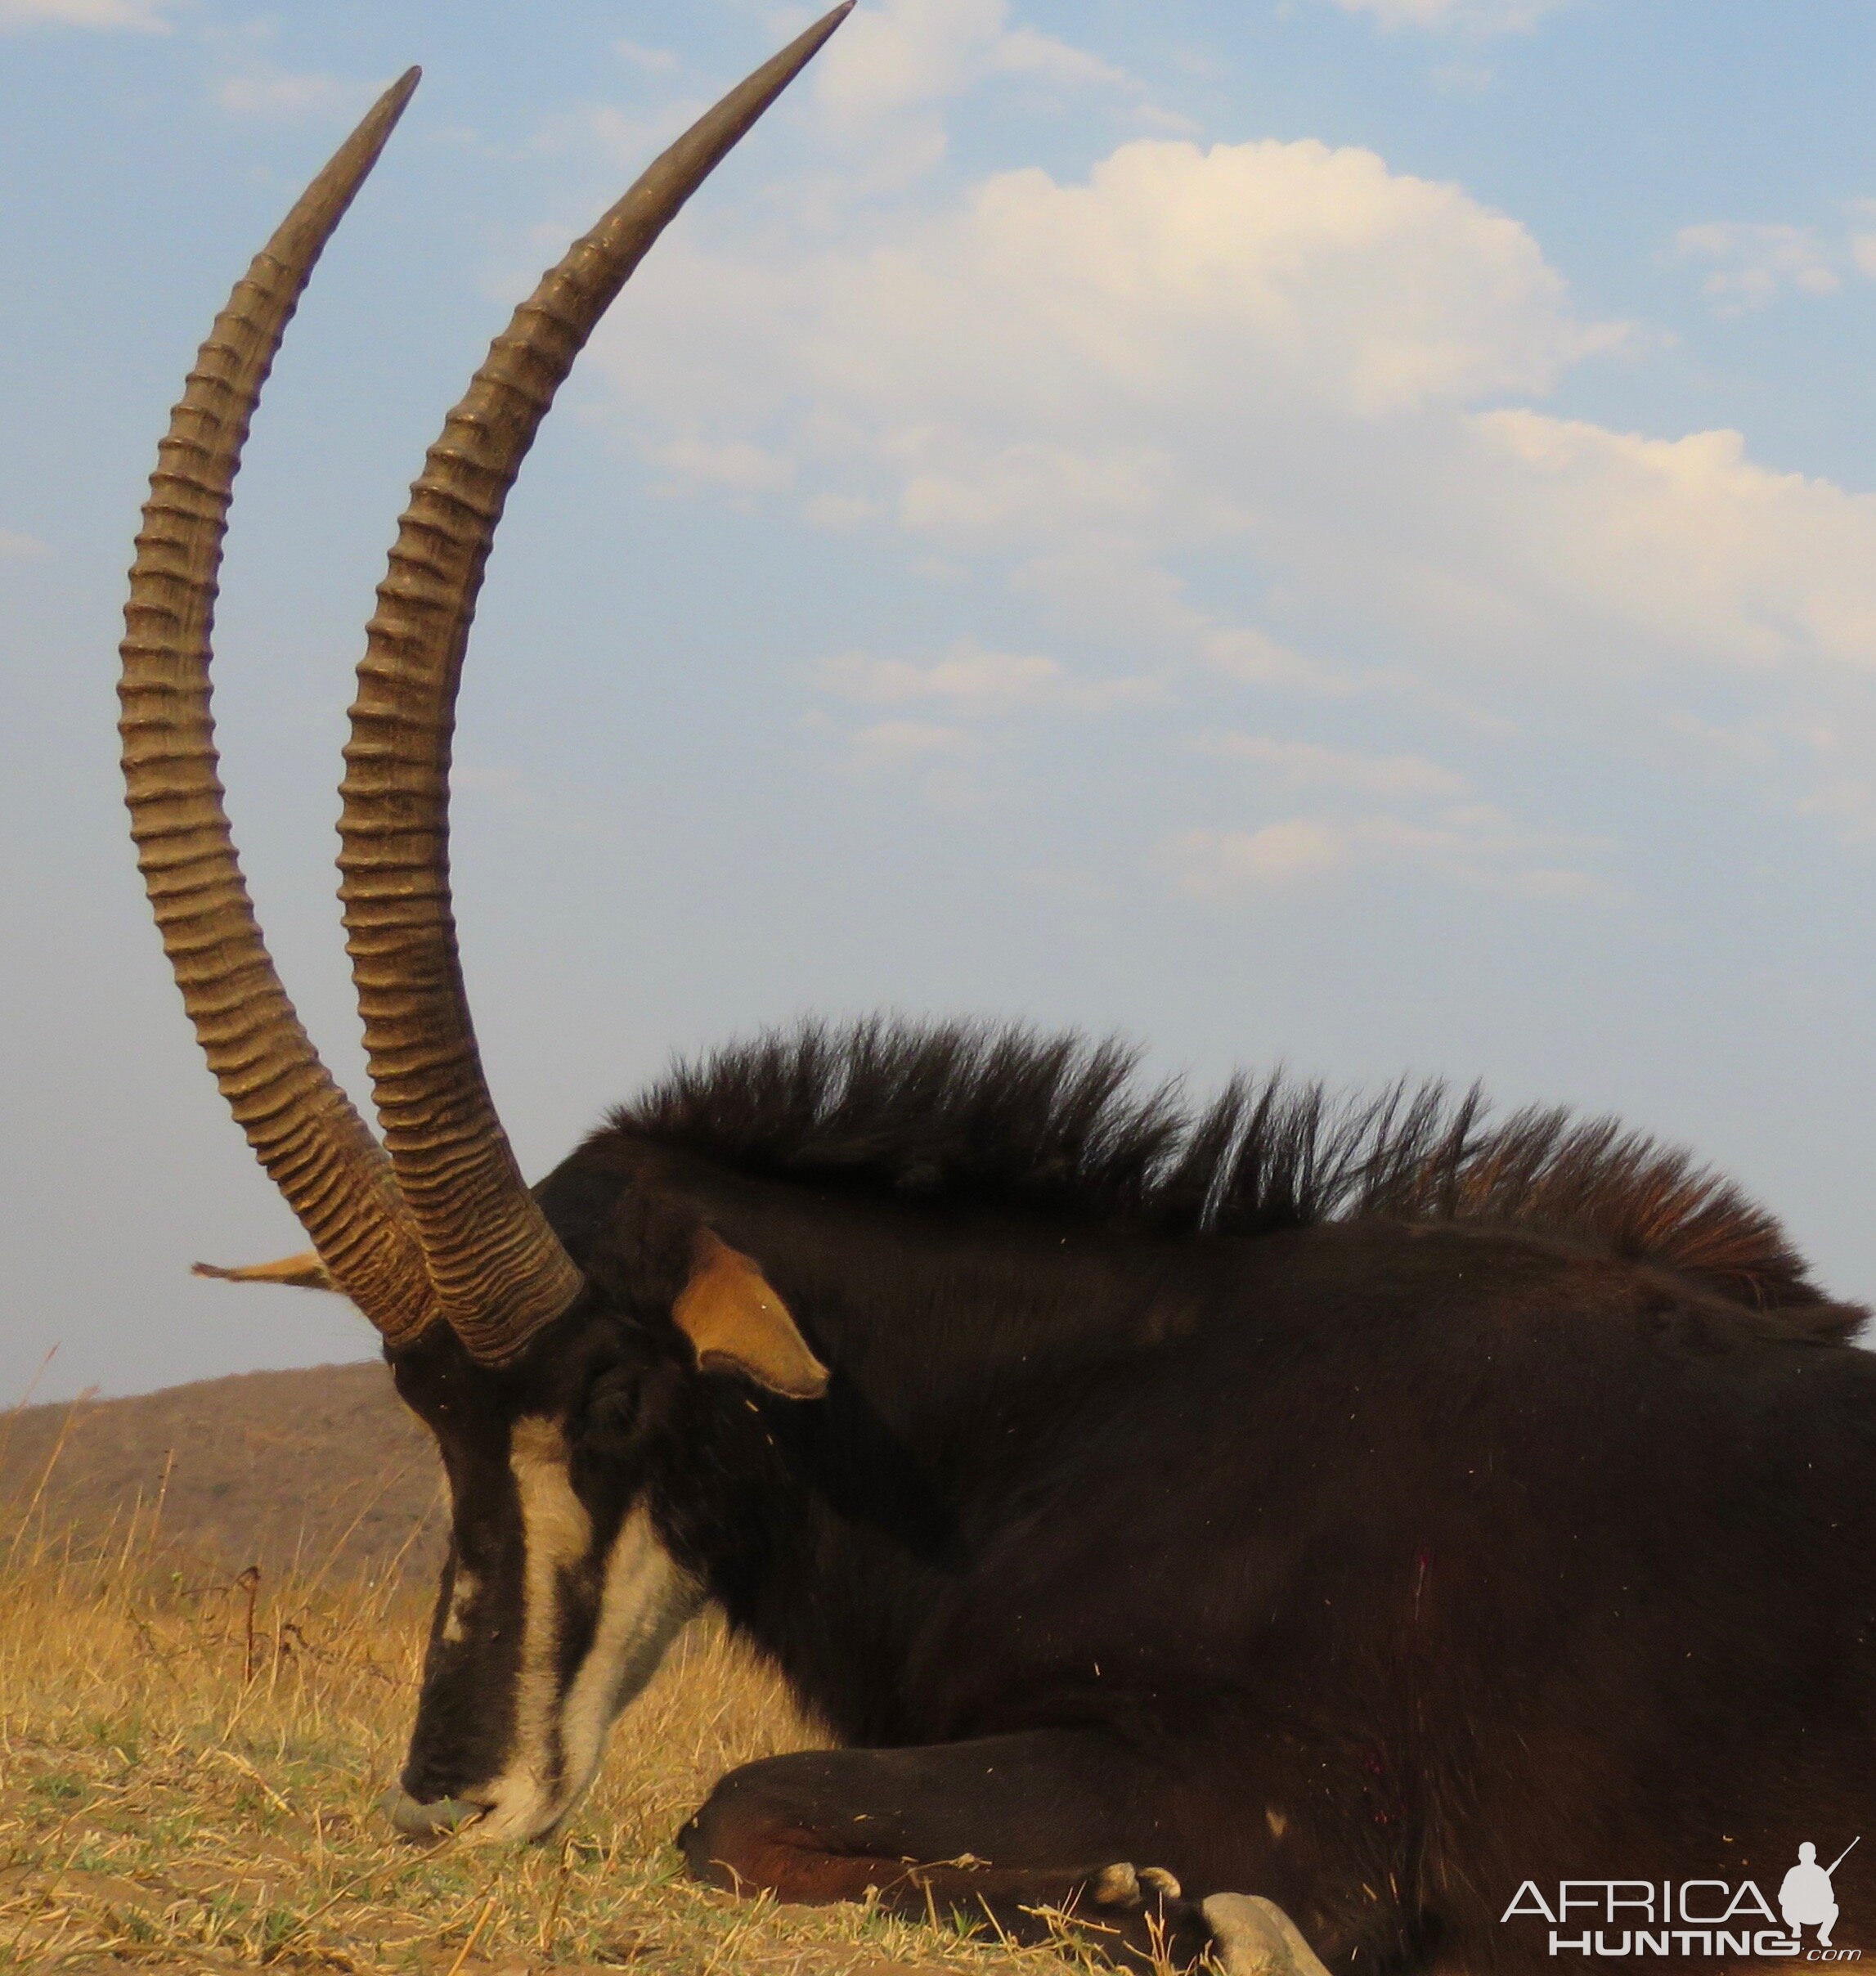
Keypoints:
pixel 970 1113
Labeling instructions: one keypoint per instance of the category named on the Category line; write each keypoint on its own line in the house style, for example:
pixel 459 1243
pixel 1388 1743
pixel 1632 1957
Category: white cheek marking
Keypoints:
pixel 648 1598
pixel 644 1599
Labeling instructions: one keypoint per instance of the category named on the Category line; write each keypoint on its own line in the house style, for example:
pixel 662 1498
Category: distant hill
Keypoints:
pixel 325 1468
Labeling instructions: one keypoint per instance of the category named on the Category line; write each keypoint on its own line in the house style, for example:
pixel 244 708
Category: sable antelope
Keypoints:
pixel 1366 1511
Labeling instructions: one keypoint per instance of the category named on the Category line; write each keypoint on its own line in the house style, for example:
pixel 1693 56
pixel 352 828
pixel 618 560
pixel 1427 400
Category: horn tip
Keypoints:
pixel 382 116
pixel 391 103
pixel 302 1271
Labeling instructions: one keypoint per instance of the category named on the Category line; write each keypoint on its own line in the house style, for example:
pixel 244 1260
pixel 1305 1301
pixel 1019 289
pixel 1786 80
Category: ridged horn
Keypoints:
pixel 318 1150
pixel 499 1271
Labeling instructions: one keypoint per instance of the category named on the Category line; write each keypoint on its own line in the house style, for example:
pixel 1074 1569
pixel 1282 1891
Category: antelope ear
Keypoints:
pixel 304 1272
pixel 737 1323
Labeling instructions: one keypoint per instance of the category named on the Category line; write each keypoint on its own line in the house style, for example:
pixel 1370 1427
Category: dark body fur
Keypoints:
pixel 1397 1510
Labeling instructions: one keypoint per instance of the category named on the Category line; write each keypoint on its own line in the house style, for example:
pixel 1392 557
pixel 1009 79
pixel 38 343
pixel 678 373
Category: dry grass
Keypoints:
pixel 188 1773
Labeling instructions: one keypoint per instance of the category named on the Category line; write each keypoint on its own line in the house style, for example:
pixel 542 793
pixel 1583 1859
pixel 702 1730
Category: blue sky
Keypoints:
pixel 1338 532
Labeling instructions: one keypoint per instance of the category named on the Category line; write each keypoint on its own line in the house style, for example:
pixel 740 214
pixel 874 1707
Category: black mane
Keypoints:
pixel 970 1113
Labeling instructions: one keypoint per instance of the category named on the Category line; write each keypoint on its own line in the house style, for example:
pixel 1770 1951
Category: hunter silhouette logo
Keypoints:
pixel 1703 1917
pixel 1807 1898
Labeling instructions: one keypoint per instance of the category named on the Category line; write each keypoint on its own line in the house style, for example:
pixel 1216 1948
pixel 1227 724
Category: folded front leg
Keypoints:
pixel 1009 1834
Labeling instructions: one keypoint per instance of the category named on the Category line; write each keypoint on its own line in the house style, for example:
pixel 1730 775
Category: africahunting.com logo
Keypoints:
pixel 1703 1918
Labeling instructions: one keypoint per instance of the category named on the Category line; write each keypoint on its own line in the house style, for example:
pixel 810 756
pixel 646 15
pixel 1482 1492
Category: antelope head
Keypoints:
pixel 548 1392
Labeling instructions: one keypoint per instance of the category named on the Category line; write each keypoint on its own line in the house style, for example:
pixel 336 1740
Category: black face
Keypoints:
pixel 559 1596
pixel 561 1592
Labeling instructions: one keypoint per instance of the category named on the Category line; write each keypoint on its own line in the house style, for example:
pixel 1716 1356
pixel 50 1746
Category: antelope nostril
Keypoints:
pixel 433 1820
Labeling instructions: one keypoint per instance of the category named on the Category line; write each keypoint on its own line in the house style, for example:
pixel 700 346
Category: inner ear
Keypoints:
pixel 737 1322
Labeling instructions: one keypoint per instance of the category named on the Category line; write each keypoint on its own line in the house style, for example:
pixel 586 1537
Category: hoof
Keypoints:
pixel 1123 1885
pixel 1117 1886
pixel 1254 1937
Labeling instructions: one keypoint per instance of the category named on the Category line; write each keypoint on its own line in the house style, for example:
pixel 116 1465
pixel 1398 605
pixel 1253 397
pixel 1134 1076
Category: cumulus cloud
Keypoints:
pixel 881 83
pixel 137 16
pixel 907 54
pixel 1077 329
pixel 1272 413
pixel 1097 376
pixel 1465 16
pixel 1178 276
pixel 1683 547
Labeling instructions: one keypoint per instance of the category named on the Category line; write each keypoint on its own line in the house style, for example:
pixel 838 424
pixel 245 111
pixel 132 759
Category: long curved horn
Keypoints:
pixel 319 1151
pixel 499 1270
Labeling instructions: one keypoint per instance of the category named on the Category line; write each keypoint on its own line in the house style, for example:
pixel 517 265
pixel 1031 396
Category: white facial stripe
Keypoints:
pixel 644 1599
pixel 555 1534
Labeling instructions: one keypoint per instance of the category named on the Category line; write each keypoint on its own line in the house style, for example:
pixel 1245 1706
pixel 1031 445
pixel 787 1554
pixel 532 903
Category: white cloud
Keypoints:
pixel 1305 765
pixel 138 16
pixel 1206 863
pixel 1092 376
pixel 735 464
pixel 1477 846
pixel 1465 16
pixel 975 680
pixel 1752 263
pixel 1269 413
pixel 283 95
pixel 1682 548
pixel 881 84
pixel 906 54
pixel 1452 837
pixel 1174 278
pixel 17 548
pixel 889 745
pixel 940 762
